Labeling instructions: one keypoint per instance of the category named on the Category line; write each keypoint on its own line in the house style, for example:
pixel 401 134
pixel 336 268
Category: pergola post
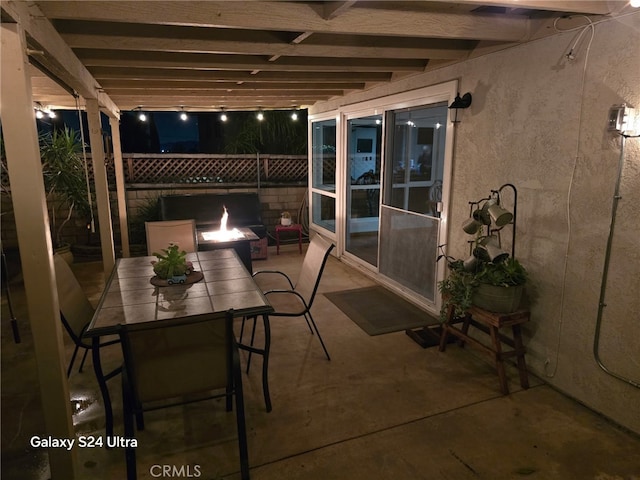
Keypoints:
pixel 120 190
pixel 102 188
pixel 34 240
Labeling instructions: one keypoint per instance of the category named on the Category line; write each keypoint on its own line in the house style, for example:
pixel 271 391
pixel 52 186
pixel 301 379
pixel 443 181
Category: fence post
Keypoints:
pixel 258 168
pixel 130 168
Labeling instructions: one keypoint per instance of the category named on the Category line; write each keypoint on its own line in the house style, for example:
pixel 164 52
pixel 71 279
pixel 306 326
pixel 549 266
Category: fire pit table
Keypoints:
pixel 238 239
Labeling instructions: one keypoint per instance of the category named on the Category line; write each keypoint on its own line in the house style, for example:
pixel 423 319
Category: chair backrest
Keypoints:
pixel 167 361
pixel 179 232
pixel 312 267
pixel 75 308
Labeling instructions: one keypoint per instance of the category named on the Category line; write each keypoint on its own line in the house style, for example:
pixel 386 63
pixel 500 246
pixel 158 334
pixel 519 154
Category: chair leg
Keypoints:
pixel 244 319
pixel 308 324
pixel 84 357
pixel 318 334
pixel 127 412
pixel 253 336
pixel 73 359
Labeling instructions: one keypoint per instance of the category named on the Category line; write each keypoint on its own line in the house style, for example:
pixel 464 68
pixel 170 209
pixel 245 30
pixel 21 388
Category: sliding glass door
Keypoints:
pixel 412 204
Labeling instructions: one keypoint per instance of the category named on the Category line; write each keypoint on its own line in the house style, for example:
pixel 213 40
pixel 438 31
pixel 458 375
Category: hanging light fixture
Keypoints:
pixel 260 116
pixel 183 116
pixel 223 115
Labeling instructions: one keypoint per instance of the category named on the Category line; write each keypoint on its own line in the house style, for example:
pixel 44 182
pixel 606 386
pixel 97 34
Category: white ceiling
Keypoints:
pixel 213 55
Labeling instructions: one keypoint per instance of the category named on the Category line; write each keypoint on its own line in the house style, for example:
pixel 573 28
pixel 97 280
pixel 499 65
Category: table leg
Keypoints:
pixel 300 240
pixel 277 242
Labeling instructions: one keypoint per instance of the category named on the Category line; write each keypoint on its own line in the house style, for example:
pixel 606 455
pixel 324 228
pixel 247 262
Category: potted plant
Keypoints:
pixel 496 286
pixel 64 179
pixel 172 265
pixel 285 219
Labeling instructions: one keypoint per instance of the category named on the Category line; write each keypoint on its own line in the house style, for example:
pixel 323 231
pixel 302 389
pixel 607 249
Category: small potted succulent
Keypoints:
pixel 172 265
pixel 285 219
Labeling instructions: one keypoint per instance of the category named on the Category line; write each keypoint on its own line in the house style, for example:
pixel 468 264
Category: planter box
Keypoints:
pixel 498 299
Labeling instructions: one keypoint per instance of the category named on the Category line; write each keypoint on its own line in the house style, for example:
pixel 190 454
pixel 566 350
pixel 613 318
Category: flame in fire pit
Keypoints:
pixel 223 235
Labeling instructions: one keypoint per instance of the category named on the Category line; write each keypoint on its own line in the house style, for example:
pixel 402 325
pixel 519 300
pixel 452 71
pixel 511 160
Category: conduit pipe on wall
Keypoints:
pixel 603 286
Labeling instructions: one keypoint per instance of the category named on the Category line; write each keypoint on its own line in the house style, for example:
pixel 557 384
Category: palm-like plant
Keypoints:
pixel 64 177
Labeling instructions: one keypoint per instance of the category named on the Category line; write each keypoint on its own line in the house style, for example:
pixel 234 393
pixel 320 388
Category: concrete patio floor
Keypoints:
pixel 382 408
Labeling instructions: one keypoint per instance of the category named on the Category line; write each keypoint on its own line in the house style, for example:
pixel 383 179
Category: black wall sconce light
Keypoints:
pixel 460 102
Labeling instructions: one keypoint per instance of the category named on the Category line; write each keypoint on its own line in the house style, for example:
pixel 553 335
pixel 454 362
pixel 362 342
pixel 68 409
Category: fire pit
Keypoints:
pixel 236 238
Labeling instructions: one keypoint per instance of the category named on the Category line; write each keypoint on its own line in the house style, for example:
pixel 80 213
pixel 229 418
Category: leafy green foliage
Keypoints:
pixel 64 177
pixel 171 262
pixel 460 285
pixel 147 211
pixel 508 273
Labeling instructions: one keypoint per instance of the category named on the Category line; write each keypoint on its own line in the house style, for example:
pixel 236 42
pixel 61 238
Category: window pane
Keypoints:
pixel 323 138
pixel 324 211
pixel 415 152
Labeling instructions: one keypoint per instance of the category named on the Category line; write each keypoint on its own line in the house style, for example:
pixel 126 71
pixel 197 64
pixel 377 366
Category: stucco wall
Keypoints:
pixel 539 121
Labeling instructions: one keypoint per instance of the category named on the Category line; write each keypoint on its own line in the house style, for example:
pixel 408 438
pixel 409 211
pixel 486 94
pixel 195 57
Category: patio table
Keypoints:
pixel 129 297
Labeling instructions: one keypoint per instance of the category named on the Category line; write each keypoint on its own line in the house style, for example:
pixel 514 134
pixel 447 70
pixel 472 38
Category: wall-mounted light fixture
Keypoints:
pixel 458 103
pixel 624 120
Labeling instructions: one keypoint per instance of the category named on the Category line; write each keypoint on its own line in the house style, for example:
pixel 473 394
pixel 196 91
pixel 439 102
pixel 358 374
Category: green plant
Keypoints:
pixel 509 273
pixel 64 178
pixel 457 289
pixel 170 263
pixel 147 211
pixel 462 283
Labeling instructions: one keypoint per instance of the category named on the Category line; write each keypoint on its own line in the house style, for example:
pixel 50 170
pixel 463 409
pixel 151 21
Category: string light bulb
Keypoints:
pixel 183 116
pixel 260 116
pixel 142 117
pixel 294 116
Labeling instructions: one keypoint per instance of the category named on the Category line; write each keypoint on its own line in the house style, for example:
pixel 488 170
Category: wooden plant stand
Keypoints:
pixel 491 323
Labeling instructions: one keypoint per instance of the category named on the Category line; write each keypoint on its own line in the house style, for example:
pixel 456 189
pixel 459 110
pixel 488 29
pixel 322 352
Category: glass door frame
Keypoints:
pixel 337 197
pixel 347 184
pixel 443 92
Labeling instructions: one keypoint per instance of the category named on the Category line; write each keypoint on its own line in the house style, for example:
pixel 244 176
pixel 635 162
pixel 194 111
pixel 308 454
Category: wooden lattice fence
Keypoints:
pixel 201 168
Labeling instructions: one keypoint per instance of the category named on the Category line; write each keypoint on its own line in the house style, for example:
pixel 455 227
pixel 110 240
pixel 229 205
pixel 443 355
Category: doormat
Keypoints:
pixel 377 310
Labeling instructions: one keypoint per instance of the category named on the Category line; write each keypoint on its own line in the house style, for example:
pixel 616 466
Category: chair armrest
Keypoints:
pixel 275 272
pixel 289 292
